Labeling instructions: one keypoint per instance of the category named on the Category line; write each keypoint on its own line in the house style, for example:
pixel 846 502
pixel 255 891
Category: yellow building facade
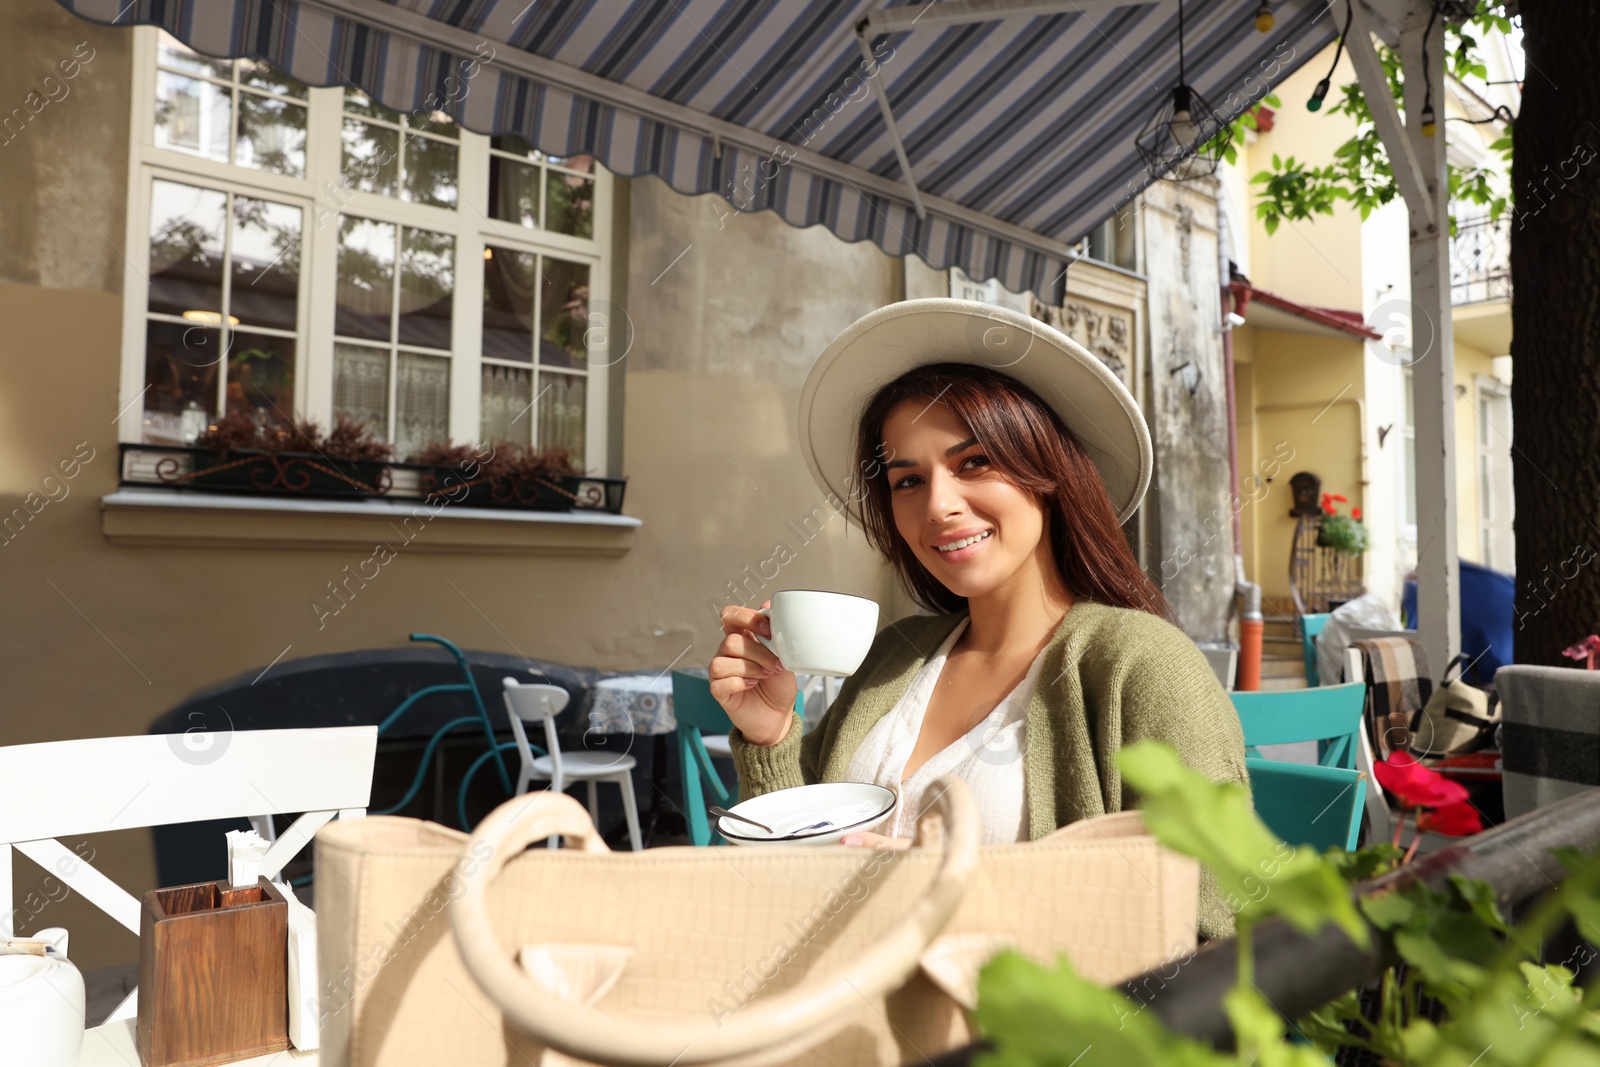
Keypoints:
pixel 1321 359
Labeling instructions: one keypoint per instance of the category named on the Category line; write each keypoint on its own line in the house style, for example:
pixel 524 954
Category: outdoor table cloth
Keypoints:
pixel 633 704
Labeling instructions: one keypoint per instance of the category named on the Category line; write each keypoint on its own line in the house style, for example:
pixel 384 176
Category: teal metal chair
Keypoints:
pixel 478 717
pixel 698 714
pixel 1310 627
pixel 1319 807
pixel 1329 715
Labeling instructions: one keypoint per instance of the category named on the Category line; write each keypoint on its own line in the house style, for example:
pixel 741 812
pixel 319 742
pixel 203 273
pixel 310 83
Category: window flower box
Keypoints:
pixel 299 473
pixel 251 472
pixel 485 488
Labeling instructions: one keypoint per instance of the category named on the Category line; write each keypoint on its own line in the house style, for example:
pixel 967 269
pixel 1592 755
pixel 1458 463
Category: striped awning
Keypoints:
pixel 1019 132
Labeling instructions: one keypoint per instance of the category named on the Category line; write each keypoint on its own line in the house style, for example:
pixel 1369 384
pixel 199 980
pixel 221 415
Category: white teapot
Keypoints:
pixel 41 1005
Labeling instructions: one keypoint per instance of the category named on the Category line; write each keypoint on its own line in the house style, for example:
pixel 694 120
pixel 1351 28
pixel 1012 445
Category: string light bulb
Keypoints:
pixel 1318 95
pixel 1264 19
pixel 1428 123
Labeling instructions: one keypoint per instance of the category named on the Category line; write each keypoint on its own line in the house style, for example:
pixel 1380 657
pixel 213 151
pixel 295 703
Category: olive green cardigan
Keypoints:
pixel 1110 677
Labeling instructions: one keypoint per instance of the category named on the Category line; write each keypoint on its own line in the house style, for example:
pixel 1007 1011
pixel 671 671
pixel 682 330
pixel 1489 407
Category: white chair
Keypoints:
pixel 1224 661
pixel 70 788
pixel 536 702
pixel 819 691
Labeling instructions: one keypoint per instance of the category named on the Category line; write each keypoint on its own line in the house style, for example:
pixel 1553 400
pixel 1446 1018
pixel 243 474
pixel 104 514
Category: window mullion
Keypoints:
pixel 319 285
pixel 538 321
pixel 394 327
pixel 601 361
pixel 466 321
pixel 224 330
pixel 233 114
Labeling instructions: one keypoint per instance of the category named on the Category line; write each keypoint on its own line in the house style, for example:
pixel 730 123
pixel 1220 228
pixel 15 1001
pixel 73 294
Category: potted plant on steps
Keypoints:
pixel 1342 533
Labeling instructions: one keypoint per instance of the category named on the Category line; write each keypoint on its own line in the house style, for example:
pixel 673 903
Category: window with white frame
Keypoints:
pixel 313 254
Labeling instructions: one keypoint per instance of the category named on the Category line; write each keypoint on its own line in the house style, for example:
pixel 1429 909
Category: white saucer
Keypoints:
pixel 794 814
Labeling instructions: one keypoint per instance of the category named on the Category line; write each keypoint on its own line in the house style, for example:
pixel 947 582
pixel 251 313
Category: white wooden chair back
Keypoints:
pixel 68 788
pixel 535 702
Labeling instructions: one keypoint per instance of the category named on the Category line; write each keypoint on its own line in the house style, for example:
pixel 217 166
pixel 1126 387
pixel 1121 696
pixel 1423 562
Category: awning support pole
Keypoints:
pixel 1415 158
pixel 882 98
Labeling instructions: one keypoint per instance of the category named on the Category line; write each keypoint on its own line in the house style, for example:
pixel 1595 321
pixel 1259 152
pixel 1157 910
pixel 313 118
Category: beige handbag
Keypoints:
pixel 1458 717
pixel 436 948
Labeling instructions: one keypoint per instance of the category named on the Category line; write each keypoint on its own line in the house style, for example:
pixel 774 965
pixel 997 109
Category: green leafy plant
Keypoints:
pixel 1500 1005
pixel 1345 533
pixel 1249 119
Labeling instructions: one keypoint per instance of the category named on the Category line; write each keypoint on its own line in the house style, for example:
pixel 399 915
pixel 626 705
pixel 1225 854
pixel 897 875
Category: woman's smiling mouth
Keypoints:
pixel 965 548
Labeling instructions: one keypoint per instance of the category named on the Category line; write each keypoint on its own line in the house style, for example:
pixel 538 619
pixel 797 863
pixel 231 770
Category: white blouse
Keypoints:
pixel 988 758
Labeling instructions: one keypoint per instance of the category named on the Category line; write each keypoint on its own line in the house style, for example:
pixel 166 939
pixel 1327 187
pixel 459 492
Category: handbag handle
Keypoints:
pixel 810 1012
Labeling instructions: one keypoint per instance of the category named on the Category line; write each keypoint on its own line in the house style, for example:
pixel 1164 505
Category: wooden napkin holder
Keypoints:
pixel 213 973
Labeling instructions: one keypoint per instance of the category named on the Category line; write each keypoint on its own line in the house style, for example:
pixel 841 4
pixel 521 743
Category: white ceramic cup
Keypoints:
pixel 815 632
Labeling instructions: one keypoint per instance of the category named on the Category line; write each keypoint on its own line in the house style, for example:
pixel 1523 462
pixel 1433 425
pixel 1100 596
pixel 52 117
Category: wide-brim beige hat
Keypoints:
pixel 884 344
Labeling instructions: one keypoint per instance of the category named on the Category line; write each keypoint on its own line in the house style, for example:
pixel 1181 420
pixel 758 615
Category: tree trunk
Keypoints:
pixel 1555 317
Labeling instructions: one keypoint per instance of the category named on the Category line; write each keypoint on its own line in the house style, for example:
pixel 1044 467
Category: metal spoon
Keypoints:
pixel 731 815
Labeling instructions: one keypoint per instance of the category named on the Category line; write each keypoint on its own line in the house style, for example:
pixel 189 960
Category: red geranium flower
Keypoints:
pixel 1355 513
pixel 1416 785
pixel 1452 820
pixel 1341 499
pixel 1588 650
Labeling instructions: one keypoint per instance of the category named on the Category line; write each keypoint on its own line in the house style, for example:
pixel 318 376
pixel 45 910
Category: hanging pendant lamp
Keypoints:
pixel 1177 143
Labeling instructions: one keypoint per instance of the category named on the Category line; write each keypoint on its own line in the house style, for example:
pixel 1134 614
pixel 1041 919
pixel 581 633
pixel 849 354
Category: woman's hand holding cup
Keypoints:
pixel 748 680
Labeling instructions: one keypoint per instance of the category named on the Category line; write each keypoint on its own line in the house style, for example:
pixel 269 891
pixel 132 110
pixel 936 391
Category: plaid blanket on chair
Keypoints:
pixel 1398 686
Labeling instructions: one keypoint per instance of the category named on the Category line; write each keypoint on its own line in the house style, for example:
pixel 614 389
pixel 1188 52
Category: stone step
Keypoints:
pixel 1281 685
pixel 1282 667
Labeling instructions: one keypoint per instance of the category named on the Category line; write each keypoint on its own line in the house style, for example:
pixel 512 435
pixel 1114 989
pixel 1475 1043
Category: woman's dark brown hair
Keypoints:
pixel 1032 449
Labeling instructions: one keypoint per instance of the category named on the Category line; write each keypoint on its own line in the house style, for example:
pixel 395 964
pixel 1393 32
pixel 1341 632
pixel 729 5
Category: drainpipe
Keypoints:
pixel 1251 624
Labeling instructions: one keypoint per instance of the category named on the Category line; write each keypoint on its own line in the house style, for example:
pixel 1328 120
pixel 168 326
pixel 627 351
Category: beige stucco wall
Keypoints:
pixel 726 338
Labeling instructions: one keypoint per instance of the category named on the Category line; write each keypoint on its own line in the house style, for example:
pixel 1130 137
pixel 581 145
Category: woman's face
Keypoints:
pixel 944 490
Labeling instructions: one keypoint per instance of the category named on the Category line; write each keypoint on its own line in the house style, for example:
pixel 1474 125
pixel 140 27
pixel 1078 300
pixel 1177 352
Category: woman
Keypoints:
pixel 1050 649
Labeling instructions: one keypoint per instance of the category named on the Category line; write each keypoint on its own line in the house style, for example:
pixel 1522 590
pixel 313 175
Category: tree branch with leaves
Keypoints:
pixel 1360 173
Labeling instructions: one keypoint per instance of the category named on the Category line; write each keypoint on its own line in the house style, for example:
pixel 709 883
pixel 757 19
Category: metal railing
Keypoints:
pixel 1318 573
pixel 1480 261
